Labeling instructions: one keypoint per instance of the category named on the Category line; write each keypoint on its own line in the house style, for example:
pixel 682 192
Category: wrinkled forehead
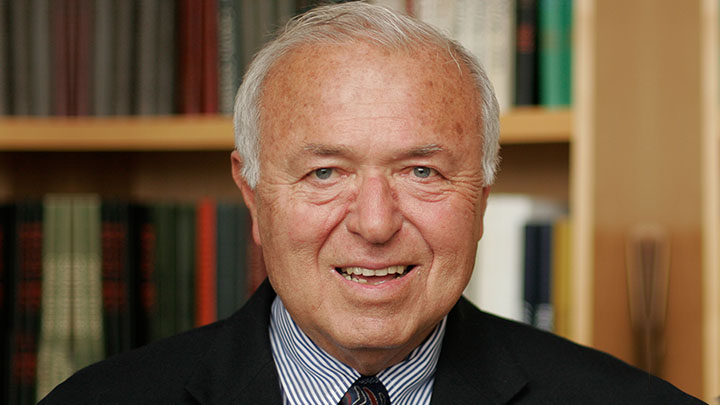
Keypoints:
pixel 323 76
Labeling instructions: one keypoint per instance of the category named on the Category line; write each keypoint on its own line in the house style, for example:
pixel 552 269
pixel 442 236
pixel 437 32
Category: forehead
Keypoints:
pixel 406 89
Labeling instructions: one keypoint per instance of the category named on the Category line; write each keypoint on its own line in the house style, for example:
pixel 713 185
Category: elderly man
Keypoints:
pixel 366 146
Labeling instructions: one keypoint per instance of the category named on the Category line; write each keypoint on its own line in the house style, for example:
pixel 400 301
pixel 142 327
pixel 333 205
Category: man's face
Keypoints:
pixel 370 164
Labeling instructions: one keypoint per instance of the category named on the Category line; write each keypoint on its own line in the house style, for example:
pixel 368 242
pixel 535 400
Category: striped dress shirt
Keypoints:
pixel 309 375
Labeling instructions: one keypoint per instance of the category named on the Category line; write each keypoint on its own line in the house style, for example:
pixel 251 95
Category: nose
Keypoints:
pixel 374 215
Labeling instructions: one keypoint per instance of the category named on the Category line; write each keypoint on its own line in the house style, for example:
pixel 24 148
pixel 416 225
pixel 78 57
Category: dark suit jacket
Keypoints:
pixel 484 360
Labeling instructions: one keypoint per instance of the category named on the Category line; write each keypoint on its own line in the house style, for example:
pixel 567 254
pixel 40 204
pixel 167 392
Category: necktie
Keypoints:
pixel 366 391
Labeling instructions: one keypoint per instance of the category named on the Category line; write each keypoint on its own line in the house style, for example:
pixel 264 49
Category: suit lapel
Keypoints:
pixel 475 366
pixel 239 368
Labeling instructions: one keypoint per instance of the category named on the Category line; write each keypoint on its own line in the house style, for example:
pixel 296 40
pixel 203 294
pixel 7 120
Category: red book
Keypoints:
pixel 210 57
pixel 190 29
pixel 206 266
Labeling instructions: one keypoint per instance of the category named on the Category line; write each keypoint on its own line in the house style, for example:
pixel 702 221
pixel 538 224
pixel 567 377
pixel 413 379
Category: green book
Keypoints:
pixel 164 323
pixel 88 338
pixel 555 53
pixel 55 342
pixel 185 265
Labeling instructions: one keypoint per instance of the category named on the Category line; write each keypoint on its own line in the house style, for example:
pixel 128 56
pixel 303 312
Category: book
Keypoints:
pixel 227 266
pixel 561 277
pixel 229 55
pixel 526 53
pixel 116 276
pixel 555 52
pixel 103 58
pixel 496 285
pixel 185 268
pixel 538 309
pixel 146 57
pixel 164 323
pixel 4 69
pixel 206 259
pixel 88 339
pixel 7 250
pixel 209 57
pixel 20 47
pixel 55 347
pixel 122 60
pixel 27 295
pixel 40 72
pixel 166 58
pixel 143 259
pixel 82 67
pixel 190 41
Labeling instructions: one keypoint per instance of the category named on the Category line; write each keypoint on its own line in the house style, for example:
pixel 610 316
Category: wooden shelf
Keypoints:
pixel 531 125
pixel 116 134
pixel 535 125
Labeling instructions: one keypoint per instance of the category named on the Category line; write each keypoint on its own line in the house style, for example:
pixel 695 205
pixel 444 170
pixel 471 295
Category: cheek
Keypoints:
pixel 293 223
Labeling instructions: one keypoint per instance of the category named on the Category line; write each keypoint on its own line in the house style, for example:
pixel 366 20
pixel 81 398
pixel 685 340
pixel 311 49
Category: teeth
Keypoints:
pixel 359 271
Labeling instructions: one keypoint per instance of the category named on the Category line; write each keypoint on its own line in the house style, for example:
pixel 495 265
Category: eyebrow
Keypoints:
pixel 334 150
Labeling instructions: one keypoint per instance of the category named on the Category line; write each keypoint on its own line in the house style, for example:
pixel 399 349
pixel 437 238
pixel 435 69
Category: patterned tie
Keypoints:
pixel 366 391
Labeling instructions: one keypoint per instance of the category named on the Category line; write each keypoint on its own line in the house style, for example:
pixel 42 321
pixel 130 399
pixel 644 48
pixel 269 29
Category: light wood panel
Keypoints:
pixel 646 142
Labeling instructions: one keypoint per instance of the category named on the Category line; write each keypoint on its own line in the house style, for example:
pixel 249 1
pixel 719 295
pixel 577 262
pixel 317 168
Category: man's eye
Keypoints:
pixel 323 173
pixel 422 171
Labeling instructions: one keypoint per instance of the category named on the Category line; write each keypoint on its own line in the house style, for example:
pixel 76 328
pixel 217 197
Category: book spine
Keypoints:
pixel 4 78
pixel 122 57
pixel 226 264
pixel 102 53
pixel 206 267
pixel 209 85
pixel 526 53
pixel 55 347
pixel 500 39
pixel 166 58
pixel 112 234
pixel 561 277
pixel 61 58
pixel 190 42
pixel 165 276
pixel 88 340
pixel 555 67
pixel 530 280
pixel 228 55
pixel 20 57
pixel 544 309
pixel 144 261
pixel 185 268
pixel 28 295
pixel 40 72
pixel 7 248
pixel 147 53
pixel 82 72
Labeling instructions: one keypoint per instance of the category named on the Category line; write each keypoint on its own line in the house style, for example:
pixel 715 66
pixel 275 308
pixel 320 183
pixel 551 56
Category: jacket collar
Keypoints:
pixel 239 367
pixel 475 364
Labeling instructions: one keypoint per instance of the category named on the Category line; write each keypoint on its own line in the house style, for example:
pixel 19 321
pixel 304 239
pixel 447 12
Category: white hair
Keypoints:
pixel 341 24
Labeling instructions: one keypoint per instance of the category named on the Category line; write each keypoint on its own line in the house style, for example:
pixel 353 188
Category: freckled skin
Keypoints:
pixel 361 112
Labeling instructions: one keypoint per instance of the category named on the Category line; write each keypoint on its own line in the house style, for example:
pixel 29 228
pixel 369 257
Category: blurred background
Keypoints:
pixel 120 223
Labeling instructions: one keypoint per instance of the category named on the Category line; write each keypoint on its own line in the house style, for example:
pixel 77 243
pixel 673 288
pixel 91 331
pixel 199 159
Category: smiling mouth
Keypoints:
pixel 374 277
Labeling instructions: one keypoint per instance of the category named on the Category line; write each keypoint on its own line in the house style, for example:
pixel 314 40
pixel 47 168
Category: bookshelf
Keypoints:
pixel 522 126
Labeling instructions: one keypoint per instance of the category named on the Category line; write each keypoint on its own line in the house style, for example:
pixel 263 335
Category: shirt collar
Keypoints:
pixel 308 374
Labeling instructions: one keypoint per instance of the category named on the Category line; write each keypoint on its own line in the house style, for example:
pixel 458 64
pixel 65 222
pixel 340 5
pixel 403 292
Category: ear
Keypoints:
pixel 247 193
